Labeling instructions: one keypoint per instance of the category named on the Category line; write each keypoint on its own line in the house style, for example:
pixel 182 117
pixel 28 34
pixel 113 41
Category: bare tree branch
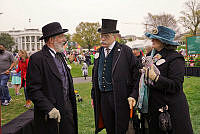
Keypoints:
pixel 190 18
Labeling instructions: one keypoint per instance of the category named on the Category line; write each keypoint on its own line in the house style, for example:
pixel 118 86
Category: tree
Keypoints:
pixel 68 37
pixel 120 40
pixel 168 20
pixel 86 35
pixel 190 18
pixel 7 41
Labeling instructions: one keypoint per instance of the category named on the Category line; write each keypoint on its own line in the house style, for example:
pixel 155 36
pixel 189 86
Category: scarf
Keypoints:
pixel 142 103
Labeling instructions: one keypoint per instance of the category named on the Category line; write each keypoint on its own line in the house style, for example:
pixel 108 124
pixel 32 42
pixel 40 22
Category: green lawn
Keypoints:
pixel 76 70
pixel 85 112
pixel 192 91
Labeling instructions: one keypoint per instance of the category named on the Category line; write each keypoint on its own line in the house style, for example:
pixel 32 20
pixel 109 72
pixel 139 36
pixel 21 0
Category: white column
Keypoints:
pixel 25 48
pixel 30 44
pixel 21 43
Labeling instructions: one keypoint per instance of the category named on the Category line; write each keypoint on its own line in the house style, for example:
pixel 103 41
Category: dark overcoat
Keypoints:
pixel 44 87
pixel 125 84
pixel 168 90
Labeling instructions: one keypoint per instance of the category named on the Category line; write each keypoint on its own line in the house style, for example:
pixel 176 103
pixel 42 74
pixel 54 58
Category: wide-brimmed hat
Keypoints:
pixel 52 29
pixel 164 34
pixel 108 26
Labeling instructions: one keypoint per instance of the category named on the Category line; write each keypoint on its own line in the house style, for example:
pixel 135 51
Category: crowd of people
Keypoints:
pixel 123 80
pixel 14 66
pixel 80 57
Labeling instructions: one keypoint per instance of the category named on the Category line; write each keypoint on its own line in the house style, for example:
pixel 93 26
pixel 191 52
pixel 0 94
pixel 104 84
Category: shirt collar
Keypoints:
pixel 111 46
pixel 53 52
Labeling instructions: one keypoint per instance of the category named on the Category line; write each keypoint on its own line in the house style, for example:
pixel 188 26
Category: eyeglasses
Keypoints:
pixel 106 36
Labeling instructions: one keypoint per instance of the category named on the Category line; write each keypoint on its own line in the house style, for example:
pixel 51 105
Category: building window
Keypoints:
pixel 32 38
pixel 38 46
pixel 27 39
pixel 22 39
pixel 33 48
pixel 23 46
pixel 27 47
pixel 38 37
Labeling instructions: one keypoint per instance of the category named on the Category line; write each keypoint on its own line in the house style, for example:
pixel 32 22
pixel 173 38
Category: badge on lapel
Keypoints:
pixel 156 58
pixel 119 50
pixel 159 62
pixel 96 55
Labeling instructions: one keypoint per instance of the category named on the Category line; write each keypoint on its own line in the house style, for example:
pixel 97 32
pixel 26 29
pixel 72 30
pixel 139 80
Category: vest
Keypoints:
pixel 105 71
pixel 64 77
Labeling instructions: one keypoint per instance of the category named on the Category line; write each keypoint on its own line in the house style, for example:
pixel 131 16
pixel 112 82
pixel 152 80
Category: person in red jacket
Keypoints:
pixel 22 66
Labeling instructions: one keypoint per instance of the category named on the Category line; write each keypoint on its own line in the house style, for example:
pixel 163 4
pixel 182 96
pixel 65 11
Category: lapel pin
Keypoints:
pixel 118 49
pixel 159 62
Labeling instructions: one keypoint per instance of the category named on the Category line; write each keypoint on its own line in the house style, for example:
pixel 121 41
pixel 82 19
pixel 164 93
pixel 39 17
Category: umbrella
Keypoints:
pixel 131 129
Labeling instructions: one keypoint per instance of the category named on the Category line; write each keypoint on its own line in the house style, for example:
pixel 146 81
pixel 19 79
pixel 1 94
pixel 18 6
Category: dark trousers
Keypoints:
pixel 25 92
pixel 108 111
pixel 67 123
pixel 4 92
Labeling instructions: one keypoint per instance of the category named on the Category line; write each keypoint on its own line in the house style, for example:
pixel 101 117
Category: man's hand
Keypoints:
pixel 7 71
pixel 131 102
pixel 54 114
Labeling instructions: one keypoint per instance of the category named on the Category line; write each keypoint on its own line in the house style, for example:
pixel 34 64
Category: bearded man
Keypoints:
pixel 50 85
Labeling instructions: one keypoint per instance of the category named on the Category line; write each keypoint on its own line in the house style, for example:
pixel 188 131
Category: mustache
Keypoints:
pixel 103 42
pixel 61 43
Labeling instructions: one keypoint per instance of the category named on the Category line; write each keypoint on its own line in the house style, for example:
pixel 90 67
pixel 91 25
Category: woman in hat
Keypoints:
pixel 167 88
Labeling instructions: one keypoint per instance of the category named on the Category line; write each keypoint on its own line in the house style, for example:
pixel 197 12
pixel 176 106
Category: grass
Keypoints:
pixel 85 111
pixel 77 72
pixel 192 91
pixel 15 108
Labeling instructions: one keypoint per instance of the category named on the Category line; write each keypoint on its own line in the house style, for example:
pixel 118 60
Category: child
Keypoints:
pixel 16 79
pixel 84 70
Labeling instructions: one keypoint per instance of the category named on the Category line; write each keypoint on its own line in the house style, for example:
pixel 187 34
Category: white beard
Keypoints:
pixel 58 47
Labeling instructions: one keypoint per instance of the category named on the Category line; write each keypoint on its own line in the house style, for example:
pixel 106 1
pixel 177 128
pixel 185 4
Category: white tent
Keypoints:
pixel 139 43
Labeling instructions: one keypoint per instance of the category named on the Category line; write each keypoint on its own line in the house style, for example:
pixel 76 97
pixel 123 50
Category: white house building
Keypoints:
pixel 27 39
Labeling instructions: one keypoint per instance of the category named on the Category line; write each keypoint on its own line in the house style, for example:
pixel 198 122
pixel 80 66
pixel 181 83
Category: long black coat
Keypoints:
pixel 44 87
pixel 169 90
pixel 125 84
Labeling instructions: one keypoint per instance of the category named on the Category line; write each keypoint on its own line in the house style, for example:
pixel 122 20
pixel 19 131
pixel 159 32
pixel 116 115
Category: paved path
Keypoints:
pixel 76 80
pixel 82 80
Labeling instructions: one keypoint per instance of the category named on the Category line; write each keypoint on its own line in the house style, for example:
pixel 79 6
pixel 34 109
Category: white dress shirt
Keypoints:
pixel 110 48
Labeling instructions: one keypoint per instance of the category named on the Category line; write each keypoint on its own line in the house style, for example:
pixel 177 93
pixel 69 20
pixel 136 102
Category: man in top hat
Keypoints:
pixel 50 85
pixel 115 82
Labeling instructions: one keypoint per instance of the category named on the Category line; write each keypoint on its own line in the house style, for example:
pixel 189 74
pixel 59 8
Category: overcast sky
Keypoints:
pixel 129 13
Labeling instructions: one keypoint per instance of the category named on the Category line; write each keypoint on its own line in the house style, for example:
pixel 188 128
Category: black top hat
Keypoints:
pixel 52 29
pixel 108 26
